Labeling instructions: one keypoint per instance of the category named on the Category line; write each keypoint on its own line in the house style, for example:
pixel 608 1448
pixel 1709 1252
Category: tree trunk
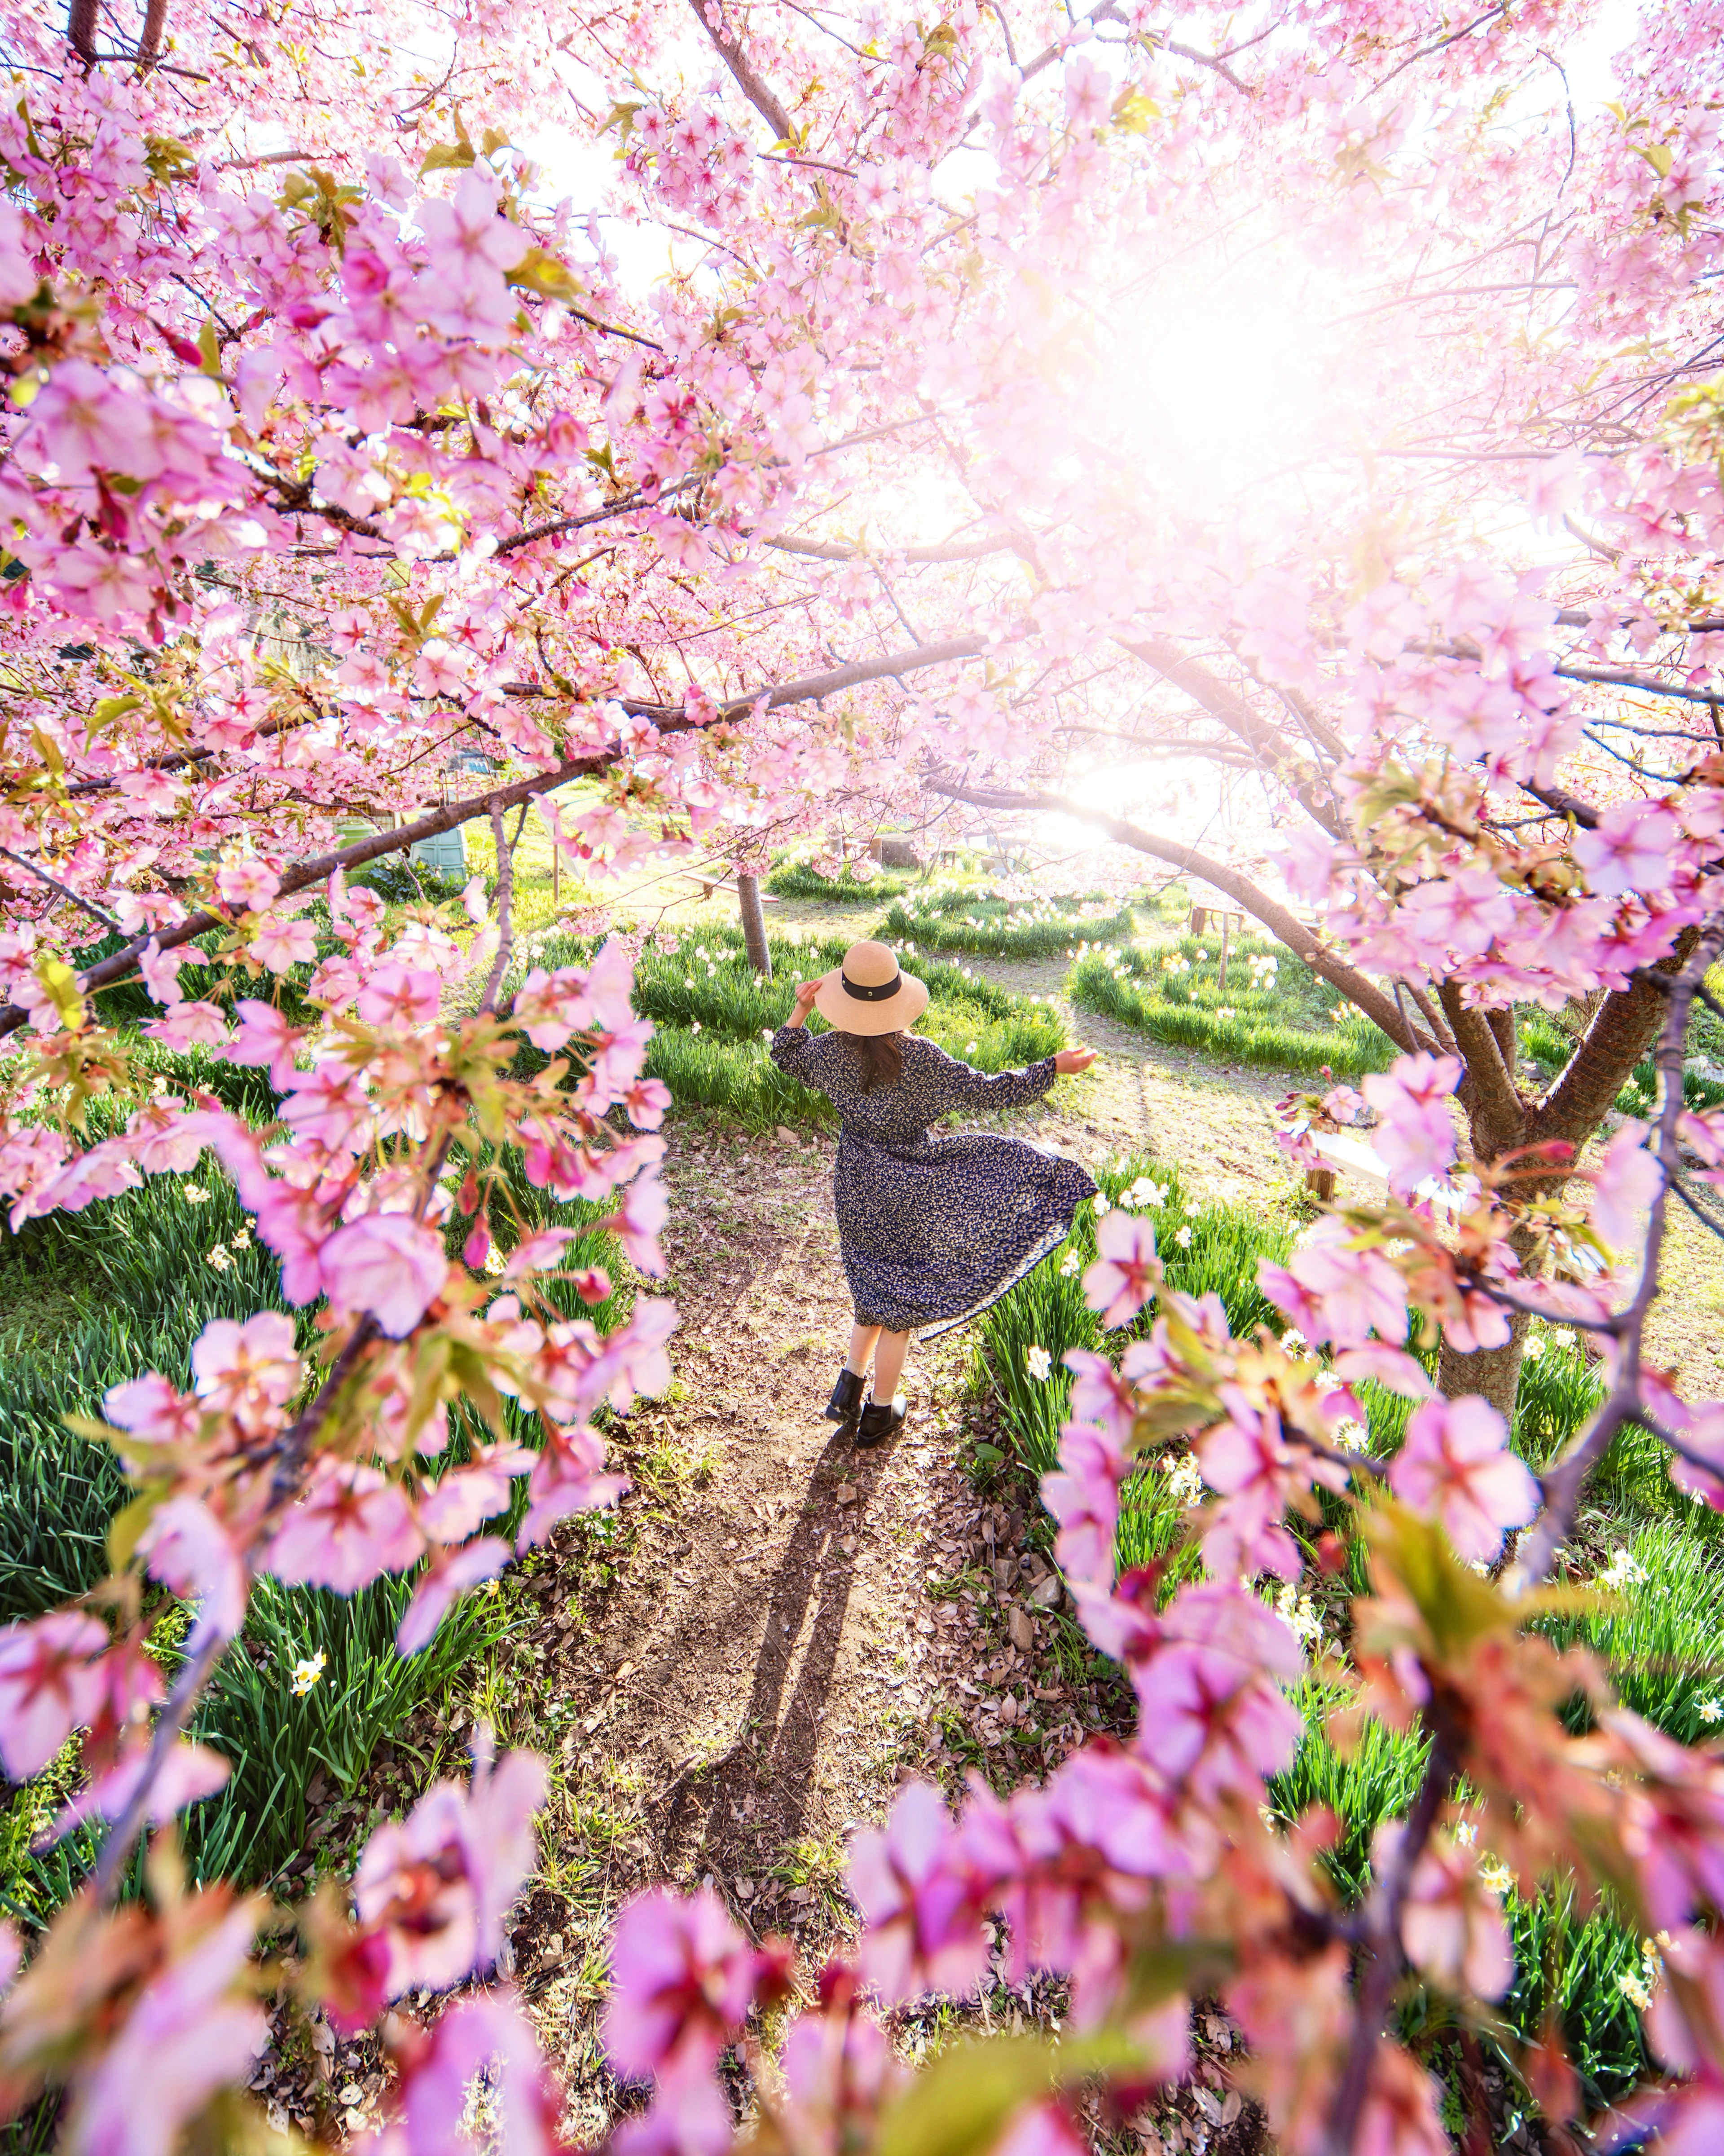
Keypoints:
pixel 754 925
pixel 1493 1372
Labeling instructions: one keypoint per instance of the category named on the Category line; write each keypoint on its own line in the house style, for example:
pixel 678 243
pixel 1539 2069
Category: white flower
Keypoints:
pixel 241 1241
pixel 306 1673
pixel 971 1049
pixel 696 1027
pixel 1496 1874
pixel 1467 1833
pixel 1103 1204
pixel 1183 1238
pixel 1624 1570
pixel 1634 1991
pixel 766 1032
pixel 1185 1479
pixel 194 1192
pixel 1038 1362
pixel 219 1258
pixel 1073 1264
pixel 1709 1711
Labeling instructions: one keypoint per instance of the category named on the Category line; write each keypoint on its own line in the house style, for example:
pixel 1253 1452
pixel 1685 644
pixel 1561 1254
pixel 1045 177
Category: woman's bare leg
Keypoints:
pixel 889 1363
pixel 862 1340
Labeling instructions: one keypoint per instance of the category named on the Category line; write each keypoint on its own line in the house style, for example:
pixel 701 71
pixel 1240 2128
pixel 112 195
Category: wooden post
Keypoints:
pixel 556 875
pixel 1321 1183
pixel 1198 920
pixel 754 925
pixel 1226 923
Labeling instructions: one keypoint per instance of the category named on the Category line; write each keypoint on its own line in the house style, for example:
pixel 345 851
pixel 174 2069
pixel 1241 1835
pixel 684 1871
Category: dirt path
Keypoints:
pixel 771 1661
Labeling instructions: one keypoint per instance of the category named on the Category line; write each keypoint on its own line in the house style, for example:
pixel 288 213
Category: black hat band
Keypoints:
pixel 883 993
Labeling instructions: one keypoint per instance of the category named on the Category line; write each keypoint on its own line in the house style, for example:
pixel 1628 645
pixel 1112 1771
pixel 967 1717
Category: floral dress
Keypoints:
pixel 933 1229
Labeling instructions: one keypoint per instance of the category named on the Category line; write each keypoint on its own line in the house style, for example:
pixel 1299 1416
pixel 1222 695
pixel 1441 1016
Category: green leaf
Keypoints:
pixel 211 350
pixel 448 157
pixel 1132 112
pixel 112 709
pixel 128 1523
pixel 959 2104
pixel 543 273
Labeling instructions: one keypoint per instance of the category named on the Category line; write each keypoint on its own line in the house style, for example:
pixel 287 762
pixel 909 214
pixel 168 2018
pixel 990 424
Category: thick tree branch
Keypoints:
pixel 1380 1010
pixel 670 718
pixel 1624 1027
pixel 1267 742
pixel 1487 1091
pixel 1563 1481
pixel 708 13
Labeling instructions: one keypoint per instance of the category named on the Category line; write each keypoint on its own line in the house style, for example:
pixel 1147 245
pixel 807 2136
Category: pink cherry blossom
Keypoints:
pixel 449 1575
pixel 487 2037
pixel 50 1684
pixel 1624 1184
pixel 1455 1463
pixel 922 1930
pixel 1415 1135
pixel 351 1527
pixel 440 1883
pixel 1453 1925
pixel 281 945
pixel 246 883
pixel 396 995
pixel 568 1477
pixel 1126 1271
pixel 386 1265
pixel 682 1977
pixel 265 1041
pixel 184 1775
pixel 188 1548
pixel 193 2028
pixel 249 1370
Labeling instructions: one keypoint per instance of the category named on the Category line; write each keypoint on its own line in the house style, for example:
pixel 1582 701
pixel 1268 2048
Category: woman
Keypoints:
pixel 931 1229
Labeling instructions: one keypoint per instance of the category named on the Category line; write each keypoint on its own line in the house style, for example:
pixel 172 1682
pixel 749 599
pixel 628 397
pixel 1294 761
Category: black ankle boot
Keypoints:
pixel 878 1422
pixel 846 1402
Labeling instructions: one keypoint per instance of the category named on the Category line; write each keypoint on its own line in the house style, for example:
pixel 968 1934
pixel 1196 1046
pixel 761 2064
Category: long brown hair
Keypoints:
pixel 881 1056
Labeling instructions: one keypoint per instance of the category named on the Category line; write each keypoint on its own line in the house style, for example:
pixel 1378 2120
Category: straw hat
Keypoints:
pixel 868 994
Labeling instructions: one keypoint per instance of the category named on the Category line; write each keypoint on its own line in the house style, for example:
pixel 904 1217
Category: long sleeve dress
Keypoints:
pixel 933 1229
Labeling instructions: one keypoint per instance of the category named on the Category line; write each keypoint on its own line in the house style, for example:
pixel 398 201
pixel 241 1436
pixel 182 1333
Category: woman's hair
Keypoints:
pixel 881 1056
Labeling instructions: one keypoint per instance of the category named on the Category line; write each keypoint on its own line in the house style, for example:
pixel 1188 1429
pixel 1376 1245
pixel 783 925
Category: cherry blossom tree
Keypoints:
pixel 1324 396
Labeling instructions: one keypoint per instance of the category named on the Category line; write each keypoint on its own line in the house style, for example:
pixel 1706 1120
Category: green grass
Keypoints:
pixel 1287 1019
pixel 138 1288
pixel 1047 1309
pixel 1662 1633
pixel 1003 928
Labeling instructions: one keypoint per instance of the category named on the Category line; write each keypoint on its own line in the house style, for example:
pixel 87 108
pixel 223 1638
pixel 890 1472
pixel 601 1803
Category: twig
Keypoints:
pixel 1562 1483
pixel 94 912
pixel 123 1832
pixel 1380 1969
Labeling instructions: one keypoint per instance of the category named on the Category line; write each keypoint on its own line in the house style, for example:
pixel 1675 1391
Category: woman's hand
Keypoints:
pixel 806 991
pixel 1070 1062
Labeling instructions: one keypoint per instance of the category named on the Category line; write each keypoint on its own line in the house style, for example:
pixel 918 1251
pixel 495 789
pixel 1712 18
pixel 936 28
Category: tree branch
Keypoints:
pixel 1563 1482
pixel 707 13
pixel 1207 690
pixel 670 718
pixel 1380 1010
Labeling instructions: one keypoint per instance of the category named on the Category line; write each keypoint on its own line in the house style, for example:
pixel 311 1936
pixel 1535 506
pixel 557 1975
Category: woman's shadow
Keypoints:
pixel 773 1759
